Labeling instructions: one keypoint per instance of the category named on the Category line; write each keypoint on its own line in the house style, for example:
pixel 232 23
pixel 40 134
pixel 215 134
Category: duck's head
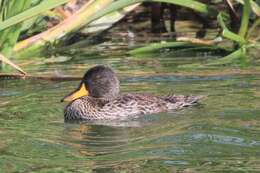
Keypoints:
pixel 99 82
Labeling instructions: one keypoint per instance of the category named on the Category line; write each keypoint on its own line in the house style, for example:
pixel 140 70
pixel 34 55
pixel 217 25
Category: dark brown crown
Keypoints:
pixel 101 82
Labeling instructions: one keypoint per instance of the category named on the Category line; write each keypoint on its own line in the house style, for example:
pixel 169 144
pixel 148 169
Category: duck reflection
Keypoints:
pixel 98 139
pixel 100 142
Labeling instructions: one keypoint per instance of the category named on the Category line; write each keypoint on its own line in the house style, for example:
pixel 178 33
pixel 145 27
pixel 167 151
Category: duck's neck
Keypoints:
pixel 108 97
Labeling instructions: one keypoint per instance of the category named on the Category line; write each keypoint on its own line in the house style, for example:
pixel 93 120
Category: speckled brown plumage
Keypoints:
pixel 118 106
pixel 124 106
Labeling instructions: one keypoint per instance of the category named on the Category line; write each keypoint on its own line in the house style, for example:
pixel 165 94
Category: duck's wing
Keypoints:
pixel 135 104
pixel 181 100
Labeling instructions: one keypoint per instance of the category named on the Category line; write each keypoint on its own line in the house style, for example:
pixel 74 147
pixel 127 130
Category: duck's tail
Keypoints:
pixel 181 101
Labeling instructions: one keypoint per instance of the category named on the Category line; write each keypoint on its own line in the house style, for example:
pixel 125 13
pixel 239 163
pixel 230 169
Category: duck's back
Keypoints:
pixel 135 104
pixel 124 106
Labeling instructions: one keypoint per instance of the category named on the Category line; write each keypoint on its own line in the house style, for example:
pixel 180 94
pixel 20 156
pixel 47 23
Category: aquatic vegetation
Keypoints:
pixel 242 40
pixel 10 35
pixel 10 26
pixel 87 14
pixel 14 22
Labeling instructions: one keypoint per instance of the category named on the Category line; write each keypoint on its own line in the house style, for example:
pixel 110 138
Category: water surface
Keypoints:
pixel 219 135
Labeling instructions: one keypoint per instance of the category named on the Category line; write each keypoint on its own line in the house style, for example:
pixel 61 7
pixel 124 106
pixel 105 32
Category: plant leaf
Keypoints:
pixel 227 33
pixel 31 12
pixel 195 5
pixel 108 20
pixel 227 59
pixel 156 46
pixel 254 5
pixel 245 19
pixel 9 62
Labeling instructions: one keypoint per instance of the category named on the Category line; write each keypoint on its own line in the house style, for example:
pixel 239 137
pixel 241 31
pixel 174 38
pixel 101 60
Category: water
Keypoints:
pixel 219 135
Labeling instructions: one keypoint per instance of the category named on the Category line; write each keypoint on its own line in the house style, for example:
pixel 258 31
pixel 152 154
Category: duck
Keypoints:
pixel 98 97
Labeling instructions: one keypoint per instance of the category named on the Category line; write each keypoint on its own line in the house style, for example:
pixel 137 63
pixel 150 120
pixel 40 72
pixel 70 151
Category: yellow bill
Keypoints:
pixel 81 91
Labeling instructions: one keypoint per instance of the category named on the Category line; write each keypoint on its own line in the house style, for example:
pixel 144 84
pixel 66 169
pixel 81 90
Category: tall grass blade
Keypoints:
pixel 49 4
pixel 228 59
pixel 222 61
pixel 157 46
pixel 255 7
pixel 9 62
pixel 253 29
pixel 83 18
pixel 108 20
pixel 195 5
pixel 42 7
pixel 227 33
pixel 76 21
pixel 245 19
pixel 232 36
pixel 9 36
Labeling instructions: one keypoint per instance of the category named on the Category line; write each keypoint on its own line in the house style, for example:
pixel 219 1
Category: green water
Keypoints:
pixel 219 135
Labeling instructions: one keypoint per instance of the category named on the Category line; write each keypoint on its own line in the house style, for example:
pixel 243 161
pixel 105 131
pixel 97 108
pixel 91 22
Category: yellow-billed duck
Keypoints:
pixel 98 98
